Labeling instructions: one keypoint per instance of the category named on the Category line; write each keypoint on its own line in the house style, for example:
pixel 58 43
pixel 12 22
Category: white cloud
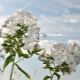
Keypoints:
pixel 71 21
pixel 58 5
pixel 65 24
pixel 51 6
pixel 69 3
pixel 51 35
pixel 75 6
pixel 47 44
pixel 77 41
pixel 73 18
pixel 56 35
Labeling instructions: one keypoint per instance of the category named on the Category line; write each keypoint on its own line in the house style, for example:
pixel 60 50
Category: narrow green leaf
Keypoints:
pixel 46 77
pixel 30 53
pixel 9 59
pixel 36 50
pixel 18 24
pixel 24 55
pixel 26 74
pixel 45 67
pixel 19 51
pixel 58 76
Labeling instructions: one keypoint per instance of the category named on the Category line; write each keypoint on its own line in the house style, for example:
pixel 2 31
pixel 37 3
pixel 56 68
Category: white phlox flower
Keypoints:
pixel 27 18
pixel 30 46
pixel 58 58
pixel 22 17
pixel 7 30
pixel 69 58
pixel 28 39
pixel 68 53
pixel 42 53
pixel 72 66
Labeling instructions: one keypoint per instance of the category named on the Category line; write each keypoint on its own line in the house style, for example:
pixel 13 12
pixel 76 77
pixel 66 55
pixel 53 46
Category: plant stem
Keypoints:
pixel 19 60
pixel 12 69
pixel 52 75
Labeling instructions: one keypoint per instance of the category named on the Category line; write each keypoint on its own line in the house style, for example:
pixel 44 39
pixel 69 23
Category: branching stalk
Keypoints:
pixel 52 75
pixel 19 60
pixel 12 68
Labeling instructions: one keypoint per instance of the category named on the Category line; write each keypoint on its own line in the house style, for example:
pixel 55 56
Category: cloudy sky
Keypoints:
pixel 59 19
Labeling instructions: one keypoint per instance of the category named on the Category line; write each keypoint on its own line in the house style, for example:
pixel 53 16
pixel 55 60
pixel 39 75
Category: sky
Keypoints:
pixel 59 19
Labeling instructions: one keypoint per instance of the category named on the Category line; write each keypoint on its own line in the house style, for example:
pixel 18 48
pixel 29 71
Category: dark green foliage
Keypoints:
pixel 8 60
pixel 46 77
pixel 26 74
pixel 58 76
pixel 13 44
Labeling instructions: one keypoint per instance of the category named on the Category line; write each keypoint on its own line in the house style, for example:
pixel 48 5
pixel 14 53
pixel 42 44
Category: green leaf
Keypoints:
pixel 18 24
pixel 36 50
pixel 24 55
pixel 46 77
pixel 58 76
pixel 45 67
pixel 19 51
pixel 9 59
pixel 30 53
pixel 26 74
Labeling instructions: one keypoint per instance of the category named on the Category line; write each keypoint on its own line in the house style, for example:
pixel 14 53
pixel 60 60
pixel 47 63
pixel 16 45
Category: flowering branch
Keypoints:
pixel 20 32
pixel 24 36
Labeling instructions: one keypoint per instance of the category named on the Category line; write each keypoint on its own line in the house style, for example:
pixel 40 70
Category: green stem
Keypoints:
pixel 52 75
pixel 19 60
pixel 12 69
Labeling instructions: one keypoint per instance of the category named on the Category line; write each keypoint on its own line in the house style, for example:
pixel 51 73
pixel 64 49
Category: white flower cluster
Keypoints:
pixel 68 53
pixel 26 18
pixel 21 17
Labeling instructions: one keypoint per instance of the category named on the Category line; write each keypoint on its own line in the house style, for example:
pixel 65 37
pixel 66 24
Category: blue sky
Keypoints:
pixel 59 19
pixel 54 17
